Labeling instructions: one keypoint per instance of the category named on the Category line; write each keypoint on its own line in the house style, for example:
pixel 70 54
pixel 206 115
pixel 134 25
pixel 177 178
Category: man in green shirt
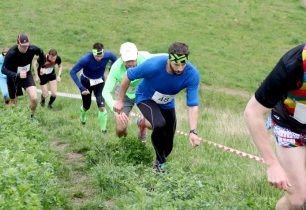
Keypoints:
pixel 130 57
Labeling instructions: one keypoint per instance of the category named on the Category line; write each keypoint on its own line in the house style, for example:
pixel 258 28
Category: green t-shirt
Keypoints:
pixel 115 76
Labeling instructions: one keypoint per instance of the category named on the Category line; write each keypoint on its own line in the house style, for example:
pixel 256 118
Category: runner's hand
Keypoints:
pixel 194 140
pixel 42 71
pixel 122 119
pixel 85 92
pixel 23 74
pixel 118 106
pixel 36 78
pixel 58 78
pixel 277 177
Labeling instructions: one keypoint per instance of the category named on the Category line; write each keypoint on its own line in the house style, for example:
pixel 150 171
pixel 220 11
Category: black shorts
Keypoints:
pixel 15 85
pixel 97 89
pixel 45 78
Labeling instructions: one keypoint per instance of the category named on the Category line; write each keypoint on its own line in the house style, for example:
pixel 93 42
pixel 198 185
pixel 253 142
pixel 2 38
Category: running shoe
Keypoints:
pixel 159 168
pixel 42 102
pixel 33 118
pixel 142 133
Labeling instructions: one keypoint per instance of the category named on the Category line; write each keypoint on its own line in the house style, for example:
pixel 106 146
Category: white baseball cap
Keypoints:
pixel 128 51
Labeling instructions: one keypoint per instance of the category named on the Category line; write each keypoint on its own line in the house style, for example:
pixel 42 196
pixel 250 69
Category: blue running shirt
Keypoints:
pixel 157 79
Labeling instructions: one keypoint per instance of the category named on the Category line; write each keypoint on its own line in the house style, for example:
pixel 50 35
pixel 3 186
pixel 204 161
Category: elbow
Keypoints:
pixel 246 114
pixel 71 73
pixel 250 114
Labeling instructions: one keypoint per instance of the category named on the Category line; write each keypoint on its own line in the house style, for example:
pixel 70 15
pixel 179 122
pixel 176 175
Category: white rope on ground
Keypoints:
pixel 220 146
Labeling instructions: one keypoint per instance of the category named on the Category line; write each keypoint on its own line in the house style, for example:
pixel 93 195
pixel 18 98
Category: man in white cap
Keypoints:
pixel 130 57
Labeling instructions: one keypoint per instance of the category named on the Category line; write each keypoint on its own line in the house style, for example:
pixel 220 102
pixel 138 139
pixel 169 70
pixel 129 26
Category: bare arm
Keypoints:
pixel 193 122
pixel 193 117
pixel 118 106
pixel 60 70
pixel 35 70
pixel 254 115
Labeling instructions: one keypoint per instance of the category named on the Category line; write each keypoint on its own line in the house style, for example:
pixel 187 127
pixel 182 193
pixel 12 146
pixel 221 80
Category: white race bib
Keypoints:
pixel 162 98
pixel 23 68
pixel 95 81
pixel 300 112
pixel 48 70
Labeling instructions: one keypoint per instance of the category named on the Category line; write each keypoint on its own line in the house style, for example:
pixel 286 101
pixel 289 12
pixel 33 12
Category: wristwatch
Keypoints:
pixel 194 131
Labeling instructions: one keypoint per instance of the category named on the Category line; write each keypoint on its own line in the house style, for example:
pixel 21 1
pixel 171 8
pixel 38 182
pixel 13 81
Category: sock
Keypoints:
pixel 102 116
pixel 42 100
pixel 52 99
pixel 83 115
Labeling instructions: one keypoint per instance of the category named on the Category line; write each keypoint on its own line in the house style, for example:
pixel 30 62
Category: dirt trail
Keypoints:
pixel 77 183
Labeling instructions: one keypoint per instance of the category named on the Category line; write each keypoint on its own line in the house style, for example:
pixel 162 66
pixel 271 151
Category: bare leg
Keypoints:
pixel 33 98
pixel 121 124
pixel 44 94
pixel 293 162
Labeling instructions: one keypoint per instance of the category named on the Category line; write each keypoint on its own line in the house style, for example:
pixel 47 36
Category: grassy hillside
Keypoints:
pixel 234 44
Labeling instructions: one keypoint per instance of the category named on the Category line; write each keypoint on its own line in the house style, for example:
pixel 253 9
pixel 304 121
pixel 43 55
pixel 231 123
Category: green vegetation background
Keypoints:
pixel 234 44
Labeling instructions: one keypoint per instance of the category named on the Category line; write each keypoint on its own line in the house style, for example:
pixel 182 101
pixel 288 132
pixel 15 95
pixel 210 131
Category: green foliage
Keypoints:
pixel 127 150
pixel 27 177
pixel 234 44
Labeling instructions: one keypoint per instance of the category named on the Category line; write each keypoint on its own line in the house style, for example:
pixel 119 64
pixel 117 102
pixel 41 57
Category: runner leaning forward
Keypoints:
pixel 46 74
pixel 92 80
pixel 17 66
pixel 164 77
pixel 130 57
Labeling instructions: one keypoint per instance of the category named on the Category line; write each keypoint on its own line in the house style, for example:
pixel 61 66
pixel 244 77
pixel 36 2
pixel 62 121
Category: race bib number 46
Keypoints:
pixel 23 68
pixel 162 98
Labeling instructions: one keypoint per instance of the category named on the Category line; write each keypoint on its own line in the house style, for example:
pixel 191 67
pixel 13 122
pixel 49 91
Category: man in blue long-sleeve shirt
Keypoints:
pixel 92 79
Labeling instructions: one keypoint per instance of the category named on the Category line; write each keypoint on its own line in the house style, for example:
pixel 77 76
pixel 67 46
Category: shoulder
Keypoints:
pixel 117 64
pixel 34 48
pixel 12 50
pixel 192 69
pixel 109 54
pixel 58 59
pixel 88 56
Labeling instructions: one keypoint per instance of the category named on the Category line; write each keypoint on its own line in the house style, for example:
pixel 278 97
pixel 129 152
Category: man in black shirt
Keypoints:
pixel 284 93
pixel 17 66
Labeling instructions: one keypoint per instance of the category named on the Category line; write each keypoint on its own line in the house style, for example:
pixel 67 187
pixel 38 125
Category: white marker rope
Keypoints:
pixel 220 146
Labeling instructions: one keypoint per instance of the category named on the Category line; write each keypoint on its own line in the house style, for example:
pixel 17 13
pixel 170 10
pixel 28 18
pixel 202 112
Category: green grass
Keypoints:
pixel 234 44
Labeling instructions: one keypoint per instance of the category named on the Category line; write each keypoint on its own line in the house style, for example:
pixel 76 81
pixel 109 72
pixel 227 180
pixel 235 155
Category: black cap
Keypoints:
pixel 23 39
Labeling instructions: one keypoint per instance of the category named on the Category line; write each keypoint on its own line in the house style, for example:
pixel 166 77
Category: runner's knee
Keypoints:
pixel 160 124
pixel 33 99
pixel 297 201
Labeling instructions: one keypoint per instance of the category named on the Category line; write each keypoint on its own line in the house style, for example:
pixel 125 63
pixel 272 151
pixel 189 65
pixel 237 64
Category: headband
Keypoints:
pixel 96 52
pixel 178 58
